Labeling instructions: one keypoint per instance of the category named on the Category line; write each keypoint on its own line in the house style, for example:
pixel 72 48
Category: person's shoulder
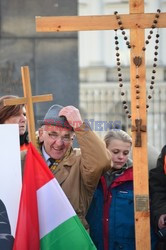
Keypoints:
pixel 163 150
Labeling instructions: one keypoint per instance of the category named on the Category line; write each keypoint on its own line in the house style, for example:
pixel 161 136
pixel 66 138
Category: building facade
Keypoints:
pixel 100 98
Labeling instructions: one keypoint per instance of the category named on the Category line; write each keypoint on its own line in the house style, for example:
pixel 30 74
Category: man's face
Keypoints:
pixel 19 119
pixel 56 140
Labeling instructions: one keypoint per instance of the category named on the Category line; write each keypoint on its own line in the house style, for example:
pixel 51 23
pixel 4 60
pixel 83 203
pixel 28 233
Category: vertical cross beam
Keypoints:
pixel 140 159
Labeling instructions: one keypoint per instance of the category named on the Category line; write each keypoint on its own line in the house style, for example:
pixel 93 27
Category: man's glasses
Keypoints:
pixel 55 136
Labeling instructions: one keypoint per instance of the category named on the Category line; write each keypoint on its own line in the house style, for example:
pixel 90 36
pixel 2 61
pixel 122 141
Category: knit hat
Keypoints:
pixel 52 118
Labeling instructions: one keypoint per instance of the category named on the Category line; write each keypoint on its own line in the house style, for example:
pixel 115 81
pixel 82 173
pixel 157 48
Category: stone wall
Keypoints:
pixel 52 58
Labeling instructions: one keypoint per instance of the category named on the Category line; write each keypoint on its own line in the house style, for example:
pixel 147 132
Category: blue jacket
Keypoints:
pixel 111 214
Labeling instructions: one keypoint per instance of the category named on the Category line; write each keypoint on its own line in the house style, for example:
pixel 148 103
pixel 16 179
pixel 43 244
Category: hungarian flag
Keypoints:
pixel 46 218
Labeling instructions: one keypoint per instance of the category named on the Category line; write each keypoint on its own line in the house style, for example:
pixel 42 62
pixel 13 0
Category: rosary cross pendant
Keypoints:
pixel 138 128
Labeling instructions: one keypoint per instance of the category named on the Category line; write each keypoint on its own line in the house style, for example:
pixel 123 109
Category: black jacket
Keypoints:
pixel 6 239
pixel 158 189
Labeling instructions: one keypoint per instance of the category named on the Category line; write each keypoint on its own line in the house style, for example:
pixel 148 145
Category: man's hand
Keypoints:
pixel 72 115
pixel 162 221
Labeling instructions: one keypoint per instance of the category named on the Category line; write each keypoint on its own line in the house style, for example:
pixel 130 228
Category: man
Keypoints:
pixel 15 114
pixel 6 239
pixel 77 170
pixel 158 196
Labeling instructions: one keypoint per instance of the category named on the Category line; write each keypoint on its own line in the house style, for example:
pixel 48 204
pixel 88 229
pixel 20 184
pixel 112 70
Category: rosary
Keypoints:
pixel 137 60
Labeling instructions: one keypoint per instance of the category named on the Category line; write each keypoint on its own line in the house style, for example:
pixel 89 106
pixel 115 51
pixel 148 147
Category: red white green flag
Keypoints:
pixel 46 219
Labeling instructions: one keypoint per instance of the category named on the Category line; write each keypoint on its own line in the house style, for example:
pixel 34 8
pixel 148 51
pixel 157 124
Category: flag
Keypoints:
pixel 46 218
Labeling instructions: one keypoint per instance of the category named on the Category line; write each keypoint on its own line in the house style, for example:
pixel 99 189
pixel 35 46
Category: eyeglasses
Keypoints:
pixel 54 136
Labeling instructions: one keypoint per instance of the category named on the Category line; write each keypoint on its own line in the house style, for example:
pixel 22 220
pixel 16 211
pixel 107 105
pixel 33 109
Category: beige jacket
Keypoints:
pixel 79 173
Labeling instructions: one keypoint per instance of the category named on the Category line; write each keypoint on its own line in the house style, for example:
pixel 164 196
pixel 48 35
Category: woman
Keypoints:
pixel 15 114
pixel 111 214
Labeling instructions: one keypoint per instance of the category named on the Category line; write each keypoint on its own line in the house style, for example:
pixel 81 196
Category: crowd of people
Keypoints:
pixel 97 177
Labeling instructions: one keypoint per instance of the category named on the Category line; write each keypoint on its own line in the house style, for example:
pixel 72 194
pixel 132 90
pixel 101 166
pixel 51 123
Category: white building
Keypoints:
pixel 100 99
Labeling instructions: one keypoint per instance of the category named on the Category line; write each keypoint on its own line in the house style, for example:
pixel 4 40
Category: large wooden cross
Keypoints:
pixel 28 100
pixel 136 21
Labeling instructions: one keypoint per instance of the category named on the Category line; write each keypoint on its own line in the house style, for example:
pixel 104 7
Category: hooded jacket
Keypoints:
pixel 111 214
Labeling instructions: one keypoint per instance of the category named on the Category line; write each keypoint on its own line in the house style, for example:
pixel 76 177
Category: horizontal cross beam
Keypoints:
pixel 106 22
pixel 23 100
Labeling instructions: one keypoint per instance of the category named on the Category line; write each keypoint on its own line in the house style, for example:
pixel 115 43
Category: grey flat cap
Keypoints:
pixel 52 117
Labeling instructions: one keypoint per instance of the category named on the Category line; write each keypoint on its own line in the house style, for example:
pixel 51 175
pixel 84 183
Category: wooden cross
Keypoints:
pixel 136 21
pixel 28 100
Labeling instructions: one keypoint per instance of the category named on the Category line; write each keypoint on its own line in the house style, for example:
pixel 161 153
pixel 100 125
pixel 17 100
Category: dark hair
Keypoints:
pixel 7 111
